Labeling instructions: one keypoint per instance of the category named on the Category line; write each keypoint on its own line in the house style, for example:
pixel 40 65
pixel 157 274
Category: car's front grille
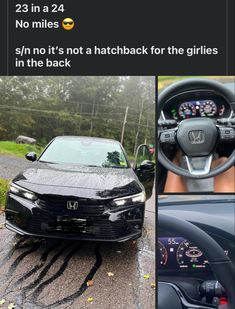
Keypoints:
pixel 58 206
pixel 96 228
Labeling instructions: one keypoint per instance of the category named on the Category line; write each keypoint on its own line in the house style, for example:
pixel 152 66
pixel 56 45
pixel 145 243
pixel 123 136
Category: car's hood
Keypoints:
pixel 89 182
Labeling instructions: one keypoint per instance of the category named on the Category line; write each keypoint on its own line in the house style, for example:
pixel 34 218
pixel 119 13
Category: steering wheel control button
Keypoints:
pixel 227 134
pixel 168 137
pixel 197 137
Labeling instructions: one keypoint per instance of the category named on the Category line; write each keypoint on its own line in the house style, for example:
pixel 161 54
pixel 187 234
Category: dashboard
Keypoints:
pixel 184 264
pixel 196 104
pixel 214 214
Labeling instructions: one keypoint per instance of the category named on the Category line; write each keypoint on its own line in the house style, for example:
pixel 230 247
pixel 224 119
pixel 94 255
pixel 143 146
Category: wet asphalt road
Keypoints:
pixel 10 166
pixel 40 273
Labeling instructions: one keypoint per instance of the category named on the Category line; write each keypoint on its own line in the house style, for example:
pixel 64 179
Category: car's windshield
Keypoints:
pixel 88 152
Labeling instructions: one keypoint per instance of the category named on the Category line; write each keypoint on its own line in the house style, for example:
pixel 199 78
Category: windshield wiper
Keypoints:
pixel 47 162
pixel 115 166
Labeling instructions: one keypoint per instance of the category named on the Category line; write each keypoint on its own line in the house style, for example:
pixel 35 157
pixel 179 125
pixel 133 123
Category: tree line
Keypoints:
pixel 43 107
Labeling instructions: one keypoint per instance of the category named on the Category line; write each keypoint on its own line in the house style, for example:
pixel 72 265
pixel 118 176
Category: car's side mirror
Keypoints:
pixel 146 165
pixel 31 156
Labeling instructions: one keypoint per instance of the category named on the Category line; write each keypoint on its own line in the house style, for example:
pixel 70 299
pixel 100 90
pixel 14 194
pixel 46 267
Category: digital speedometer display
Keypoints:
pixel 178 253
pixel 190 256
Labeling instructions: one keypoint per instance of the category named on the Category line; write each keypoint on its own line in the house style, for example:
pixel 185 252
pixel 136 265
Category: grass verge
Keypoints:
pixel 18 150
pixel 3 190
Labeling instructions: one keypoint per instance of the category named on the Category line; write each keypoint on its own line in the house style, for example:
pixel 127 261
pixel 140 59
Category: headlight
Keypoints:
pixel 130 200
pixel 17 190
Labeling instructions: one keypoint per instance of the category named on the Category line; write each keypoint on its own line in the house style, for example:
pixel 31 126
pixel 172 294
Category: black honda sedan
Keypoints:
pixel 81 188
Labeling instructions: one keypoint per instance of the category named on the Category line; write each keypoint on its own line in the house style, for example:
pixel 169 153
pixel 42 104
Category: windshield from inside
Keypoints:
pixel 88 152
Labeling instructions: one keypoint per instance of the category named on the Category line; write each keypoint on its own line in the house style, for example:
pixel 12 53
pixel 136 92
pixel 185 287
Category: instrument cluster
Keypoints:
pixel 197 108
pixel 184 107
pixel 179 253
pixel 203 108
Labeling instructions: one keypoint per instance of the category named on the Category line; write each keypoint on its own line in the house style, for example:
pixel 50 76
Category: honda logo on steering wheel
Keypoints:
pixel 197 137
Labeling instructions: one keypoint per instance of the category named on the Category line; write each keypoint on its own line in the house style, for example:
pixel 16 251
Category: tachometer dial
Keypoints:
pixel 208 108
pixel 162 254
pixel 190 256
pixel 187 110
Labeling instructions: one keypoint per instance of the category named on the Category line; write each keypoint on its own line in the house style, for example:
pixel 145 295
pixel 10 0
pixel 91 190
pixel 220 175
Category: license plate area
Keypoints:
pixel 68 224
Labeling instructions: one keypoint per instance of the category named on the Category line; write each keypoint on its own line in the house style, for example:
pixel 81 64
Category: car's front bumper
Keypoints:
pixel 27 218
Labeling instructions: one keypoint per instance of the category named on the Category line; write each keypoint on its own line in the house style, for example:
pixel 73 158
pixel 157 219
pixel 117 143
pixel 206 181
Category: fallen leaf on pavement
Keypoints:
pixel 146 276
pixel 110 274
pixel 90 282
pixel 2 301
pixel 11 306
pixel 153 285
pixel 147 231
pixel 1 225
pixel 90 299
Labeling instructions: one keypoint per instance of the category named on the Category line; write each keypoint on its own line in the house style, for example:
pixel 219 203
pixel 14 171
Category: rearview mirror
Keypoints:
pixel 31 156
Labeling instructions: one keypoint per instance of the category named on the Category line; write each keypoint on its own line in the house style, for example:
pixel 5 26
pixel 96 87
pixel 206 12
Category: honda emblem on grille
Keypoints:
pixel 72 205
pixel 196 136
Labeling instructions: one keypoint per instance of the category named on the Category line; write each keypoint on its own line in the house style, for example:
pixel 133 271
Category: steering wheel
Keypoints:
pixel 169 295
pixel 196 137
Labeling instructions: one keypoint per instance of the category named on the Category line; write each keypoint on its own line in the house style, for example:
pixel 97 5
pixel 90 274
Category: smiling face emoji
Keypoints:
pixel 68 24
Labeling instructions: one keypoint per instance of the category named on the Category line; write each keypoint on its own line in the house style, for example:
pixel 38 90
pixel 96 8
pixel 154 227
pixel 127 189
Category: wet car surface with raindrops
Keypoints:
pixel 70 193
pixel 53 273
